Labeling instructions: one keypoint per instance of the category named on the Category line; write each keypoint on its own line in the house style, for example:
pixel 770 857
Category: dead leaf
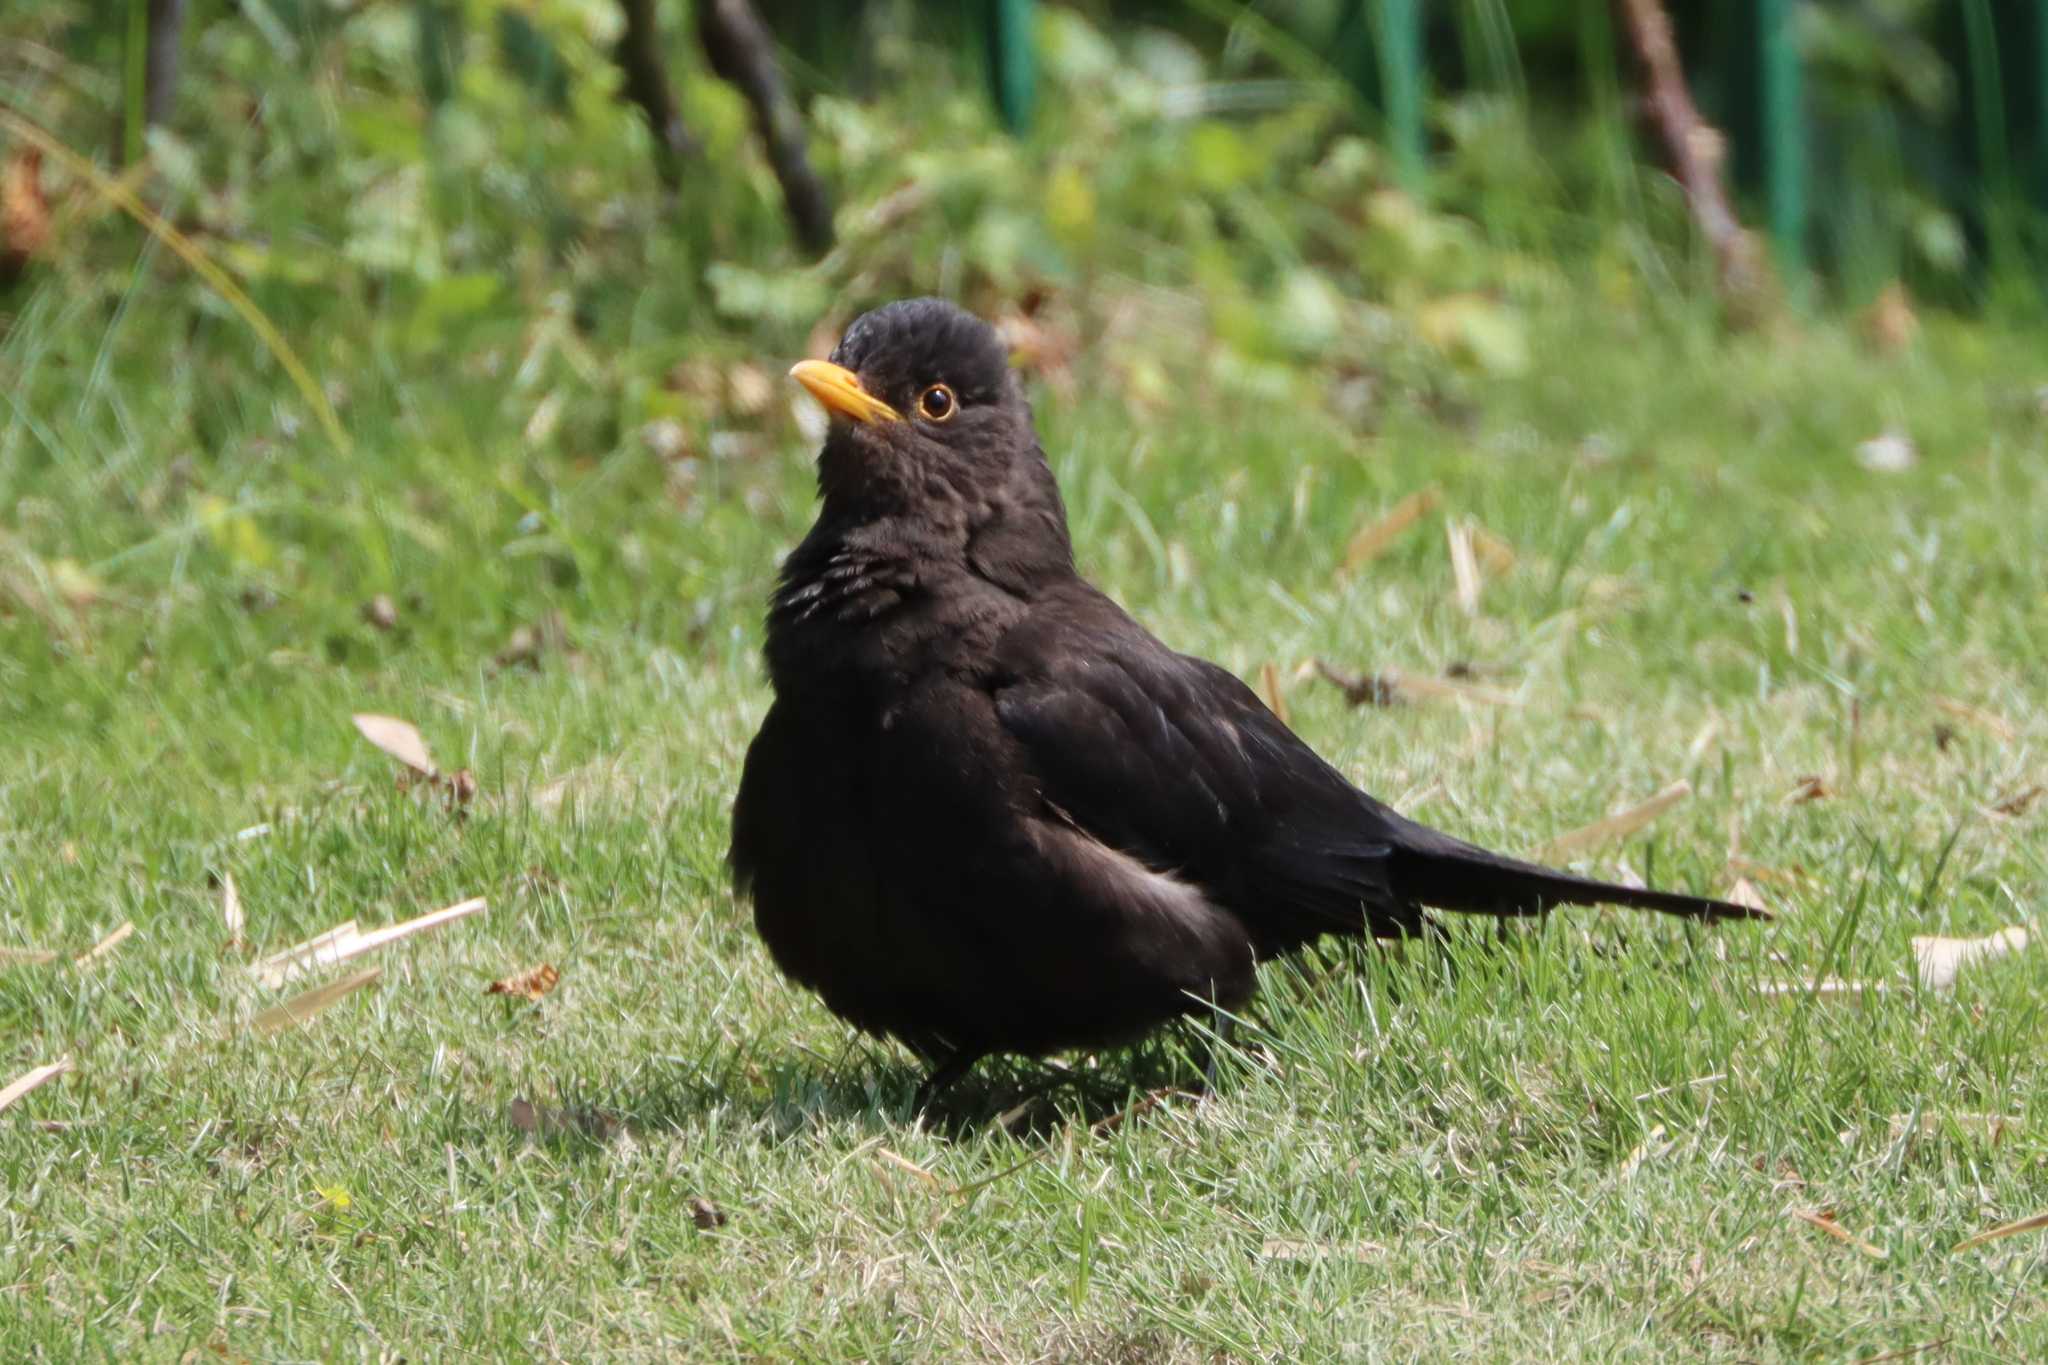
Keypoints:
pixel 32 1079
pixel 98 952
pixel 1744 893
pixel 546 1121
pixel 705 1214
pixel 381 612
pixel 398 738
pixel 1495 555
pixel 532 983
pixel 1824 1219
pixel 1619 825
pixel 1372 540
pixel 1271 693
pixel 1810 788
pixel 1374 689
pixel 1940 961
pixel 24 212
pixel 2019 803
pixel 2030 1224
pixel 1990 722
pixel 1889 325
pixel 306 1004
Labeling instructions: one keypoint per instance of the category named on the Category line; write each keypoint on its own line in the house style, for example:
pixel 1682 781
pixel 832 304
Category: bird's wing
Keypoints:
pixel 1173 761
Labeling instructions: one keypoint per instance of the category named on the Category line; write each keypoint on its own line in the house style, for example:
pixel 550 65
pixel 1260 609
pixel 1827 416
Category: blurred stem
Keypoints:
pixel 1987 100
pixel 1397 30
pixel 134 76
pixel 740 50
pixel 1013 61
pixel 646 84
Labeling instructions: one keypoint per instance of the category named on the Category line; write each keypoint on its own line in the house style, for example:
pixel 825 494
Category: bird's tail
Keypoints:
pixel 1436 870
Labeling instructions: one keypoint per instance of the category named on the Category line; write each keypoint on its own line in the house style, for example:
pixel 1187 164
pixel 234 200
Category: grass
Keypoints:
pixel 1588 1142
pixel 1594 1139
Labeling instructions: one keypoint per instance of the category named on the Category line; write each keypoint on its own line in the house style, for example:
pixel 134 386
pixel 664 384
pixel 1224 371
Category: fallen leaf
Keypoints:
pixel 1359 691
pixel 2030 1224
pixel 1941 960
pixel 1889 453
pixel 1825 1221
pixel 2019 803
pixel 1271 694
pixel 398 738
pixel 30 1080
pixel 1988 721
pixel 1372 540
pixel 381 612
pixel 1811 788
pixel 1744 893
pixel 98 952
pixel 306 1004
pixel 541 1120
pixel 1619 825
pixel 1889 324
pixel 532 983
pixel 705 1214
pixel 24 212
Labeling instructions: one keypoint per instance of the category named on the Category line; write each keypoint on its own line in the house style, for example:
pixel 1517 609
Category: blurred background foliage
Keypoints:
pixel 465 176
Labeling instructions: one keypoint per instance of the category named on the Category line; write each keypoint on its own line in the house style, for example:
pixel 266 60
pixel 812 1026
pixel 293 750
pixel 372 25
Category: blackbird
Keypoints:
pixel 988 811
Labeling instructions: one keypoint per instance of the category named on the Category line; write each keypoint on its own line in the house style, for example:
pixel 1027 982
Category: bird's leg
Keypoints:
pixel 958 1063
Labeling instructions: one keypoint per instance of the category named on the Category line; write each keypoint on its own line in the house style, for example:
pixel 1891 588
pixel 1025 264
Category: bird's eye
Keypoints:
pixel 936 403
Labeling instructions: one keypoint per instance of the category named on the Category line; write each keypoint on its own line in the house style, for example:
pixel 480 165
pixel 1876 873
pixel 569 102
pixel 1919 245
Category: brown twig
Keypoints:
pixel 646 84
pixel 741 51
pixel 1697 150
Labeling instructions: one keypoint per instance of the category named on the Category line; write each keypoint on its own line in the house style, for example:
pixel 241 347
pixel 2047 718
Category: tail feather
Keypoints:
pixel 1448 874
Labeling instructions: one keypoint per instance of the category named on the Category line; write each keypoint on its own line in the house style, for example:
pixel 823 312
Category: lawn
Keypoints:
pixel 1602 1137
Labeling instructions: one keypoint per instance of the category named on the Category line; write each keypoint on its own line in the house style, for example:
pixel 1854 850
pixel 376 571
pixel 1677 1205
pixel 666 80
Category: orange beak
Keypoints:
pixel 838 388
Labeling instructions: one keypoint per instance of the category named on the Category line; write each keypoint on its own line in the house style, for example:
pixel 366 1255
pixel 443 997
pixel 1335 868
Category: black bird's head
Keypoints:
pixel 927 417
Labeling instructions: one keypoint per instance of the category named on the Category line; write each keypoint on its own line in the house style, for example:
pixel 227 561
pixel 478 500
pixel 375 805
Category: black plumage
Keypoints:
pixel 988 811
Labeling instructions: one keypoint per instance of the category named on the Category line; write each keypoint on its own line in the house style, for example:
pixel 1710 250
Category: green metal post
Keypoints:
pixel 1784 136
pixel 1397 33
pixel 1013 61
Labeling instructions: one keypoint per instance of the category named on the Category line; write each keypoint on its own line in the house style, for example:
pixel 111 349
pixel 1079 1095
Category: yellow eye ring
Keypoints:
pixel 937 404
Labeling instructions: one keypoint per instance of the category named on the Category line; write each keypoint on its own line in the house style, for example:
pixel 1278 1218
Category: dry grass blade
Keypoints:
pixel 1301 1249
pixel 1744 893
pixel 1992 1127
pixel 532 983
pixel 1496 556
pixel 1940 961
pixel 1825 1221
pixel 1464 567
pixel 345 943
pixel 231 908
pixel 306 1004
pixel 1990 722
pixel 1619 825
pixel 1419 685
pixel 398 738
pixel 30 1080
pixel 25 957
pixel 99 951
pixel 1373 539
pixel 278 968
pixel 1831 988
pixel 2020 802
pixel 122 197
pixel 2030 1224
pixel 904 1163
pixel 1270 692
